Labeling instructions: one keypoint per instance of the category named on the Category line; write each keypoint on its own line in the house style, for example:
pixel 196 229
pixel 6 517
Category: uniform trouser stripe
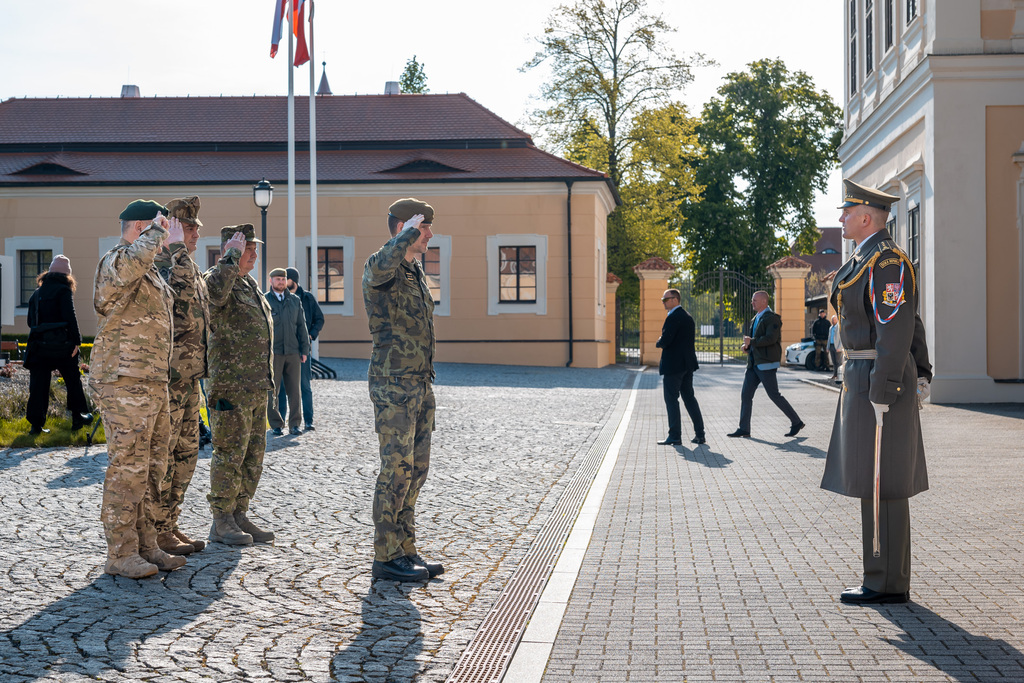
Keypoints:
pixel 890 572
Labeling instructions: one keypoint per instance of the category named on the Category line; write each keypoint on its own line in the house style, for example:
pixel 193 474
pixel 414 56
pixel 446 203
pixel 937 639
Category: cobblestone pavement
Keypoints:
pixel 304 608
pixel 712 563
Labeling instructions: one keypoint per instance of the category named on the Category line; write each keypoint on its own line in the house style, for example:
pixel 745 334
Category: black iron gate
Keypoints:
pixel 627 332
pixel 719 302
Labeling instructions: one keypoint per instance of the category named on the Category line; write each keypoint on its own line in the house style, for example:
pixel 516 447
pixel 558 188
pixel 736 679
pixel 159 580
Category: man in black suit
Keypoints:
pixel 678 363
pixel 764 347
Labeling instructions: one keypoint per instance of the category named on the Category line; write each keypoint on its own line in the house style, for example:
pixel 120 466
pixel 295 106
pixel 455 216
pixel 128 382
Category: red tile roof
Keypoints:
pixel 790 262
pixel 654 263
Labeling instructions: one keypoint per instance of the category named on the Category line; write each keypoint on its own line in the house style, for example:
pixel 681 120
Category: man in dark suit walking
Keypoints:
pixel 678 363
pixel 764 347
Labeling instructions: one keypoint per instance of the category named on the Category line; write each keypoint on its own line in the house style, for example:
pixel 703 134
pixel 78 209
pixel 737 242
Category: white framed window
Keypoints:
pixel 914 234
pixel 853 47
pixel 335 291
pixel 911 11
pixel 517 274
pixel 869 37
pixel 890 23
pixel 29 254
pixel 437 264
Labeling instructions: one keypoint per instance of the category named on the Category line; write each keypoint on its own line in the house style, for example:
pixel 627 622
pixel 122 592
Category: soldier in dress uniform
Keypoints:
pixel 887 370
pixel 188 366
pixel 240 338
pixel 401 317
pixel 129 371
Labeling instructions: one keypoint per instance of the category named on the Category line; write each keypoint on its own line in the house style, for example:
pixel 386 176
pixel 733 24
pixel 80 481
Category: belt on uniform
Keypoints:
pixel 865 354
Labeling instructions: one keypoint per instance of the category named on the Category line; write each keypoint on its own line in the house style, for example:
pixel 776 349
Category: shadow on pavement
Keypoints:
pixel 102 626
pixel 1014 410
pixel 86 469
pixel 951 649
pixel 702 455
pixel 389 639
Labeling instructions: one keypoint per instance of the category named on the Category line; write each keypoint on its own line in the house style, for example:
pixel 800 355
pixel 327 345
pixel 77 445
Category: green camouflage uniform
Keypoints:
pixel 188 366
pixel 241 373
pixel 129 370
pixel 401 317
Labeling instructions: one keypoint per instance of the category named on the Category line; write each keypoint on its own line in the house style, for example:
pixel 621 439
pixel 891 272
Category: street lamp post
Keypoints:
pixel 262 195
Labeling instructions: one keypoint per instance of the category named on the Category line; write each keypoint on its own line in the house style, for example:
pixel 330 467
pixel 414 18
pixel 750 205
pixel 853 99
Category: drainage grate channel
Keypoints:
pixel 491 649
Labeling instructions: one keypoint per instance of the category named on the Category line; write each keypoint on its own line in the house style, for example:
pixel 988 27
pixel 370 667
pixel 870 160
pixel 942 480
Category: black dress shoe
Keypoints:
pixel 698 440
pixel 739 433
pixel 433 568
pixel 794 429
pixel 866 596
pixel 671 442
pixel 35 431
pixel 399 569
pixel 79 420
pixel 276 431
pixel 295 431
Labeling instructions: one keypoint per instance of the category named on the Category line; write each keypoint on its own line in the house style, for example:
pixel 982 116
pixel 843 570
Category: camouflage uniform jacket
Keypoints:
pixel 400 311
pixel 134 334
pixel 191 312
pixel 241 333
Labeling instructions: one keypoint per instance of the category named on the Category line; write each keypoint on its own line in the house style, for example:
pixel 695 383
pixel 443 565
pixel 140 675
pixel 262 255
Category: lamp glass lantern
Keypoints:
pixel 262 196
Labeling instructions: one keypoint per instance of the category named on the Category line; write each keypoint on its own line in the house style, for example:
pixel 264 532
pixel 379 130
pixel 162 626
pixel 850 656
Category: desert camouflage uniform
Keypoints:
pixel 129 370
pixel 241 373
pixel 401 317
pixel 188 366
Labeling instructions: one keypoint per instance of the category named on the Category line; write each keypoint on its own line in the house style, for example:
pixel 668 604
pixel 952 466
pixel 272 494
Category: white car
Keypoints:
pixel 801 353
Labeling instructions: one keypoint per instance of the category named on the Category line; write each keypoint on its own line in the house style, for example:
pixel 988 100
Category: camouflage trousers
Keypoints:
pixel 403 410
pixel 137 424
pixel 184 452
pixel 239 426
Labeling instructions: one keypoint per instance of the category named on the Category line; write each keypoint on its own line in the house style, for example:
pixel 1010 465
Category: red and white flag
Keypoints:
pixel 298 26
pixel 275 38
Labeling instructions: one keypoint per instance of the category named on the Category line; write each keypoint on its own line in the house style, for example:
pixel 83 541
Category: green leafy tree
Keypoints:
pixel 770 140
pixel 414 78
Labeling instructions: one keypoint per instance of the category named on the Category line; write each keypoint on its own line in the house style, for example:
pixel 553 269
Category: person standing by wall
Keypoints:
pixel 819 330
pixel 314 323
pixel 834 346
pixel 677 365
pixel 291 349
pixel 53 344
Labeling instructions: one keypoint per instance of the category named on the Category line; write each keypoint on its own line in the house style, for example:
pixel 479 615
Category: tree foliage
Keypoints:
pixel 414 78
pixel 770 140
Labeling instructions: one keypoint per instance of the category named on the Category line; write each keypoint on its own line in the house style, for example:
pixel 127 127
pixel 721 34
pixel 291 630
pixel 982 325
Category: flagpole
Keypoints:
pixel 291 134
pixel 314 257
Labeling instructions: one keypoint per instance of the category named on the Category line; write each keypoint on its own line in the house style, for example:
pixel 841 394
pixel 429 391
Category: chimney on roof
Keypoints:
pixel 130 91
pixel 325 87
pixel 392 88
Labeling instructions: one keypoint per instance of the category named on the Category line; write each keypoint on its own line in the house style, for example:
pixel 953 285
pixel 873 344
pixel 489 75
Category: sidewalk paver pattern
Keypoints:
pixel 698 568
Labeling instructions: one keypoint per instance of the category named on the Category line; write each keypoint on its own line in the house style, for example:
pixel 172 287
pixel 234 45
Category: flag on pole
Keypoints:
pixel 298 26
pixel 275 37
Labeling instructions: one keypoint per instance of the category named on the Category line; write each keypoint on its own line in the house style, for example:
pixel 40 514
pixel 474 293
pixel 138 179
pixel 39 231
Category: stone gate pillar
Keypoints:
pixel 654 274
pixel 612 282
pixel 790 275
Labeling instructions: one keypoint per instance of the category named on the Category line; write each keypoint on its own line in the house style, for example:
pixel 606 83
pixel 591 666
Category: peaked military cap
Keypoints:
pixel 142 210
pixel 855 194
pixel 278 272
pixel 404 209
pixel 228 231
pixel 185 210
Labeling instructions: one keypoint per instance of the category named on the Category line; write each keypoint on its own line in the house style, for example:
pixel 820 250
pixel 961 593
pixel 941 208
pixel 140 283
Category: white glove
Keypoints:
pixel 880 410
pixel 413 222
pixel 924 390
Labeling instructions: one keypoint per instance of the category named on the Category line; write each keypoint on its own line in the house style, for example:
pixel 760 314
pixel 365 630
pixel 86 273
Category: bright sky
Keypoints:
pixel 76 48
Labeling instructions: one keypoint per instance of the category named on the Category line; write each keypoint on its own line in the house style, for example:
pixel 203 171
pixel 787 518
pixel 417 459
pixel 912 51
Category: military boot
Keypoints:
pixel 162 560
pixel 173 545
pixel 258 534
pixel 194 542
pixel 225 530
pixel 132 567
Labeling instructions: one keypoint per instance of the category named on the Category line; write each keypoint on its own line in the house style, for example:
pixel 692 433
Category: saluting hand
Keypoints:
pixel 237 241
pixel 176 233
pixel 162 221
pixel 413 222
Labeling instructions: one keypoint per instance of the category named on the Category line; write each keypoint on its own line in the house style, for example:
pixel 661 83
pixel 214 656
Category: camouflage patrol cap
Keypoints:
pixel 404 209
pixel 855 194
pixel 185 210
pixel 142 210
pixel 228 231
pixel 278 272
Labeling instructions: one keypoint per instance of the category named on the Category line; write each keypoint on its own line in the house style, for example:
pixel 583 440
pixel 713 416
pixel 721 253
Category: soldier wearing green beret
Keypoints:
pixel 188 366
pixel 401 318
pixel 129 371
pixel 887 369
pixel 241 373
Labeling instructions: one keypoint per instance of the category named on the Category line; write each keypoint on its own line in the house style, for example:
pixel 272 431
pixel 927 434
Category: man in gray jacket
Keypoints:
pixel 291 348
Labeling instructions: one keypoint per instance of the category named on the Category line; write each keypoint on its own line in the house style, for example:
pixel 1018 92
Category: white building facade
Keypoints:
pixel 934 96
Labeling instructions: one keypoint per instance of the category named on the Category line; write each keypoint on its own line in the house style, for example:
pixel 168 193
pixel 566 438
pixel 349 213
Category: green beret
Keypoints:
pixel 142 210
pixel 855 194
pixel 278 272
pixel 185 210
pixel 228 231
pixel 404 209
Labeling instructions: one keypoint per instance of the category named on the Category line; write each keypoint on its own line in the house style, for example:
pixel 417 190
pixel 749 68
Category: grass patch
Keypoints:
pixel 14 434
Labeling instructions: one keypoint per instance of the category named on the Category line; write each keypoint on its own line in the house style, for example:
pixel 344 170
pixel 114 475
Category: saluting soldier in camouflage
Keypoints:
pixel 188 366
pixel 241 337
pixel 876 296
pixel 128 377
pixel 401 317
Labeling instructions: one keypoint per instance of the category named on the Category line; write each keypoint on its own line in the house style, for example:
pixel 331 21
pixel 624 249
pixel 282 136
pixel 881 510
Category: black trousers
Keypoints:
pixel 890 571
pixel 681 385
pixel 39 387
pixel 751 380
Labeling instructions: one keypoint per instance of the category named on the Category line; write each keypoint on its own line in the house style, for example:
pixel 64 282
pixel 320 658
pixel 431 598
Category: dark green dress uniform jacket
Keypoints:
pixel 891 379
